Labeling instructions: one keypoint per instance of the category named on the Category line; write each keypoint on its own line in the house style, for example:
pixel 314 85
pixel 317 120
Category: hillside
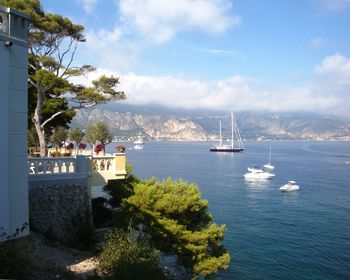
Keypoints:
pixel 159 123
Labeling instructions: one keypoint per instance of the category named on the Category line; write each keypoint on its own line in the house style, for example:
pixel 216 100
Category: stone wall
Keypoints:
pixel 59 210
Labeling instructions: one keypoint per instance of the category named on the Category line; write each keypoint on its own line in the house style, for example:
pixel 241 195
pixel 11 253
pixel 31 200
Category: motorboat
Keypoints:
pixel 138 144
pixel 289 187
pixel 256 173
pixel 269 164
pixel 232 148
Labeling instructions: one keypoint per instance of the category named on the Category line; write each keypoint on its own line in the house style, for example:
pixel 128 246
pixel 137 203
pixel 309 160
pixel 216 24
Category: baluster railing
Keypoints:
pixel 111 166
pixel 43 166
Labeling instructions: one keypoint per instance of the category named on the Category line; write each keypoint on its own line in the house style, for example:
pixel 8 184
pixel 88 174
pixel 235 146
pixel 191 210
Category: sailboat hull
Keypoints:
pixel 227 150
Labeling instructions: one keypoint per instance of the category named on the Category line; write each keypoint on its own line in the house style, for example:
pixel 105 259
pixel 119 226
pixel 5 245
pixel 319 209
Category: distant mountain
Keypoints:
pixel 160 123
pixel 128 125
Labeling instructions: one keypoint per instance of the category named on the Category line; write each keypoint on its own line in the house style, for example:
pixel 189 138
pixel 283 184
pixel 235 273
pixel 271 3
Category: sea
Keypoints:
pixel 270 234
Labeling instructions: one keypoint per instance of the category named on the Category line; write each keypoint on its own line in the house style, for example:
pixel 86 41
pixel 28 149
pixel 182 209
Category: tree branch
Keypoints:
pixel 51 118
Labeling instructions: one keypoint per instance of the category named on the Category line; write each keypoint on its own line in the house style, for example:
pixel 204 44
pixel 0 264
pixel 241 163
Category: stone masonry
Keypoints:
pixel 56 210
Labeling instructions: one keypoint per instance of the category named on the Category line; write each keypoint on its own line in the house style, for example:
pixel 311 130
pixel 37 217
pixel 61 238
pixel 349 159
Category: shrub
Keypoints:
pixel 129 255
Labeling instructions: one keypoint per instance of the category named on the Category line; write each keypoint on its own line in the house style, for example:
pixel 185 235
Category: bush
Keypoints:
pixel 129 255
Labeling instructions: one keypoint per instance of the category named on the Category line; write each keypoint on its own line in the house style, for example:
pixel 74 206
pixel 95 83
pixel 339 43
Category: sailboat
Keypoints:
pixel 269 165
pixel 230 148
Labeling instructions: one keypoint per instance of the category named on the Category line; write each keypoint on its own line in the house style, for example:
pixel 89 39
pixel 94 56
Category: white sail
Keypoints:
pixel 234 134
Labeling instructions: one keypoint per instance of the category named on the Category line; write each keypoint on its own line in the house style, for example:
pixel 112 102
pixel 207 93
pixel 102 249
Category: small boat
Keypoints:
pixel 230 148
pixel 347 162
pixel 269 165
pixel 256 173
pixel 289 187
pixel 138 144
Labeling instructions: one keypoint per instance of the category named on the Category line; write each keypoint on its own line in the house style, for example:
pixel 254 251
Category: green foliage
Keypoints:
pixel 89 134
pixel 53 41
pixel 107 85
pixel 102 133
pixel 76 135
pixel 59 135
pixel 121 189
pixel 177 218
pixel 129 255
pixel 98 132
pixel 33 140
pixel 29 7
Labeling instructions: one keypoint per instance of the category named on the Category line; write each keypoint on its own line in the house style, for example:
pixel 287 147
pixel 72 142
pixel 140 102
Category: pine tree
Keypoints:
pixel 177 217
pixel 53 42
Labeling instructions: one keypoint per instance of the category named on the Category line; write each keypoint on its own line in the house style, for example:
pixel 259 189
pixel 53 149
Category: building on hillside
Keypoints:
pixel 13 123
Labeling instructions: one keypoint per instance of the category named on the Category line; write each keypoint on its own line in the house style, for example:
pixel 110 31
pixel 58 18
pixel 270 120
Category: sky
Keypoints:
pixel 236 55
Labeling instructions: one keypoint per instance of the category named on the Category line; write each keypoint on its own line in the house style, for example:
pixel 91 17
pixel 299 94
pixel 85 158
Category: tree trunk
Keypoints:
pixel 104 149
pixel 37 123
pixel 42 140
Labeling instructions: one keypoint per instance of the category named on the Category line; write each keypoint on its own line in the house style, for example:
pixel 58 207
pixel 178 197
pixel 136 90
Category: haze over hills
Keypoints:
pixel 161 123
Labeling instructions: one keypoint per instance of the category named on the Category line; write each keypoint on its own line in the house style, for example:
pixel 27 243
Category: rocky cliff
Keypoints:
pixel 154 127
pixel 202 126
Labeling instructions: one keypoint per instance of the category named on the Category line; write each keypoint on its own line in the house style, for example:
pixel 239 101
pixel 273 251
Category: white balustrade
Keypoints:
pixel 103 164
pixel 51 165
pixel 97 168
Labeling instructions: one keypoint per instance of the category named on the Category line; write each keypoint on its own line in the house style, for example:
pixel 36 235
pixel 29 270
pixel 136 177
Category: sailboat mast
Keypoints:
pixel 238 135
pixel 232 130
pixel 220 134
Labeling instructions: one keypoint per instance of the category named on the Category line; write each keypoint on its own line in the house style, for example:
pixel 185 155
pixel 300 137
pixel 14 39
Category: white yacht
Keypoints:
pixel 269 164
pixel 256 173
pixel 138 144
pixel 289 187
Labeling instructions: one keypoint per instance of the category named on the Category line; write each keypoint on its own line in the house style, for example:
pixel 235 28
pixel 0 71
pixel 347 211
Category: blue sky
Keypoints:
pixel 277 55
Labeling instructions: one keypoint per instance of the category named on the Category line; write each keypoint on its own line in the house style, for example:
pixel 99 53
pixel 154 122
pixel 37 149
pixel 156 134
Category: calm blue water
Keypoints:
pixel 270 235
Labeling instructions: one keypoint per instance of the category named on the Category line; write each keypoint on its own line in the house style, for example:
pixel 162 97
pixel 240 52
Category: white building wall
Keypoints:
pixel 4 176
pixel 13 123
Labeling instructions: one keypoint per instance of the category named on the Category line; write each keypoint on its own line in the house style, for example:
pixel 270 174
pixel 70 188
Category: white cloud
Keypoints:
pixel 112 49
pixel 335 70
pixel 159 21
pixel 88 5
pixel 234 93
pixel 141 24
pixel 328 92
pixel 333 5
